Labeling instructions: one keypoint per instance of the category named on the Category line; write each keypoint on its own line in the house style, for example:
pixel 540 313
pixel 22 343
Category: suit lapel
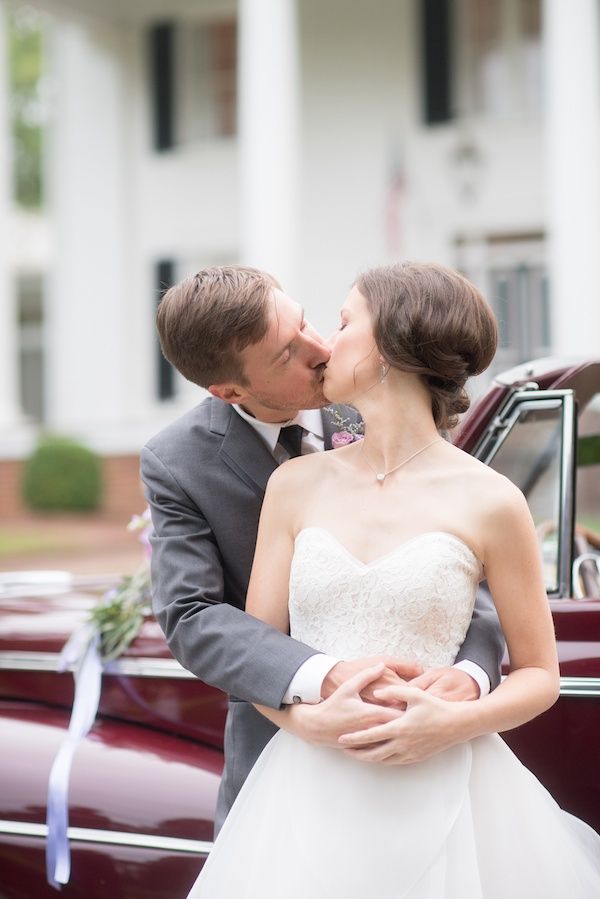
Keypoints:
pixel 328 426
pixel 242 449
pixel 244 452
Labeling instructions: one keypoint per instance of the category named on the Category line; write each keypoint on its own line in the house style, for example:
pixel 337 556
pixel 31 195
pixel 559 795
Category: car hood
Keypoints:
pixel 145 685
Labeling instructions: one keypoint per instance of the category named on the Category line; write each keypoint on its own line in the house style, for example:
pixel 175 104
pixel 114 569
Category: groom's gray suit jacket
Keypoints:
pixel 205 477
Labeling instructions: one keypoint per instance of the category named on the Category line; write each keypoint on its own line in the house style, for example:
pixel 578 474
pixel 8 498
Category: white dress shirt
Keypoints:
pixel 306 684
pixel 313 439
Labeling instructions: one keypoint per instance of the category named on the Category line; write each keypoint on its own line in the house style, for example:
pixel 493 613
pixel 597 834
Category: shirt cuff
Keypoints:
pixel 478 674
pixel 305 686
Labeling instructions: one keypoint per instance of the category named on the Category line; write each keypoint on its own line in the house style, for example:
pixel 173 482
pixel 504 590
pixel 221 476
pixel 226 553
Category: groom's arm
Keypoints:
pixel 484 643
pixel 477 668
pixel 216 641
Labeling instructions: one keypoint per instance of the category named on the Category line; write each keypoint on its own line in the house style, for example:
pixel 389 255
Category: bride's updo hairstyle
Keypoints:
pixel 430 320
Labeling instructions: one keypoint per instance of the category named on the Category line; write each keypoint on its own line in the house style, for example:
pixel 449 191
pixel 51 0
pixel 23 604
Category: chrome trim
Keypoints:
pixel 580 686
pixel 51 582
pixel 112 837
pixel 169 668
pixel 567 495
pixel 537 368
pixel 11 660
pixel 584 557
pixel 498 431
pixel 507 416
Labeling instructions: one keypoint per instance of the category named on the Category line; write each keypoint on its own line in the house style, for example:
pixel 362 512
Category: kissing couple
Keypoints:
pixel 362 659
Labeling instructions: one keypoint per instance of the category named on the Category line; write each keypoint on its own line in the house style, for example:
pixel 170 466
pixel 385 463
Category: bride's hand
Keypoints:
pixel 428 726
pixel 343 711
pixel 396 671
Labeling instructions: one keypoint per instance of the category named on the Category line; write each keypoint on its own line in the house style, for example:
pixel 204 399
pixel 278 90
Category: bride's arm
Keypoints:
pixel 267 596
pixel 514 572
pixel 515 576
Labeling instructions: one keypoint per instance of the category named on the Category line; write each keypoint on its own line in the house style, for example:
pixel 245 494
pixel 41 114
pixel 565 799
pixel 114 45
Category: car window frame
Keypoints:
pixel 530 397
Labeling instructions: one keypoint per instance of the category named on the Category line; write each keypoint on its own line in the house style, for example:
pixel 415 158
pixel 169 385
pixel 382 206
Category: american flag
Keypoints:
pixel 394 209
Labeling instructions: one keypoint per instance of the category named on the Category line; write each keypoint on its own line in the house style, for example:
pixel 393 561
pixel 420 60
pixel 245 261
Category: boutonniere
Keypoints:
pixel 347 431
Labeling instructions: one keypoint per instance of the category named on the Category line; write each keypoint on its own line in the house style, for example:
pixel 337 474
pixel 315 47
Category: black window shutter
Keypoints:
pixel 165 373
pixel 162 78
pixel 437 60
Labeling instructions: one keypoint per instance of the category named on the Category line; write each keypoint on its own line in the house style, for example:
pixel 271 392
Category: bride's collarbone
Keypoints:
pixel 365 526
pixel 371 548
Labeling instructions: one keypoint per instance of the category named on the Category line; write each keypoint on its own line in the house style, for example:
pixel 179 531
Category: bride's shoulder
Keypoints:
pixel 297 473
pixel 488 486
pixel 492 499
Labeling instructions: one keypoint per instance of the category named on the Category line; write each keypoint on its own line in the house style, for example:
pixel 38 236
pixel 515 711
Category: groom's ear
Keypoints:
pixel 229 393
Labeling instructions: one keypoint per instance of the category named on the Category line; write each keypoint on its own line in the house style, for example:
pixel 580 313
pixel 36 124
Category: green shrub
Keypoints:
pixel 62 476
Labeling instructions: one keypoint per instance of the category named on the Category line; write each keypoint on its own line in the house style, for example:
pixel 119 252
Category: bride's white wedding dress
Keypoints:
pixel 313 823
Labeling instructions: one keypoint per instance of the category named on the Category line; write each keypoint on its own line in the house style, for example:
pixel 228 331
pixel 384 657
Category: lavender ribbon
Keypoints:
pixel 81 651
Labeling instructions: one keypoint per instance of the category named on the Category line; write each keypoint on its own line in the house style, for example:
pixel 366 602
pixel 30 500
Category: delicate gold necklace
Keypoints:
pixel 382 475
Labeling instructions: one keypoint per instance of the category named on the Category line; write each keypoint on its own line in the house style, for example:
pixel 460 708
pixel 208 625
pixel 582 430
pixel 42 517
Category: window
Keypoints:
pixel 481 58
pixel 486 63
pixel 511 272
pixel 169 383
pixel 588 470
pixel 206 76
pixel 29 100
pixel 530 457
pixel 193 81
pixel 436 54
pixel 528 449
pixel 520 299
pixel 161 57
pixel 165 373
pixel 31 352
pixel 499 48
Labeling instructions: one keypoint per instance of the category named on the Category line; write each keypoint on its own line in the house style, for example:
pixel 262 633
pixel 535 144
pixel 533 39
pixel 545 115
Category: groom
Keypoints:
pixel 233 331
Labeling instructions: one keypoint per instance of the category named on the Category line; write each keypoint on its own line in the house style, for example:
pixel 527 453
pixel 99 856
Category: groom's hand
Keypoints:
pixel 396 671
pixel 342 712
pixel 451 684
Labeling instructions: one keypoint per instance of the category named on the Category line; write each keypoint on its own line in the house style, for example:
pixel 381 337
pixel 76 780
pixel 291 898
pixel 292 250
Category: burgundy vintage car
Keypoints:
pixel 144 781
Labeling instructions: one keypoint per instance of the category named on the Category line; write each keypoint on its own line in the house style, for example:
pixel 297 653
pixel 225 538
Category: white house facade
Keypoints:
pixel 312 138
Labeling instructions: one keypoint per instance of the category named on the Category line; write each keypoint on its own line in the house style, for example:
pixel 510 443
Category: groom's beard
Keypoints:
pixel 311 397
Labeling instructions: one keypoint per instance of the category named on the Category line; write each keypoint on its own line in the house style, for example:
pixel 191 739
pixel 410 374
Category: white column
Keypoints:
pixel 88 202
pixel 268 90
pixel 9 412
pixel 572 135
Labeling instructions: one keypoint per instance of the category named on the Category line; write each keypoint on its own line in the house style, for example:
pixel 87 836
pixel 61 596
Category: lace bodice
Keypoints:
pixel 415 602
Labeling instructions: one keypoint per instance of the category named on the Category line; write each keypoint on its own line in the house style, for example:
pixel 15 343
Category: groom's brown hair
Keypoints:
pixel 205 321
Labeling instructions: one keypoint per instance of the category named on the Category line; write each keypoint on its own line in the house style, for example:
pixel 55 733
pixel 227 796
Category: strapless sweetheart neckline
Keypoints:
pixel 398 548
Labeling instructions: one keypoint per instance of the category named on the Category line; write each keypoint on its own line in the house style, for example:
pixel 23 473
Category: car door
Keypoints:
pixel 533 441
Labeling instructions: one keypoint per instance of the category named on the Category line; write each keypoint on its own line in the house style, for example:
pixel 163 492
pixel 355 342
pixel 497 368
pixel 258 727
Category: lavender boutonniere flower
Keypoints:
pixel 347 431
pixel 341 438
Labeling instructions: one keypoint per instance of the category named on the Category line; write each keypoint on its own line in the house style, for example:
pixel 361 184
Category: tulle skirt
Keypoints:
pixel 469 823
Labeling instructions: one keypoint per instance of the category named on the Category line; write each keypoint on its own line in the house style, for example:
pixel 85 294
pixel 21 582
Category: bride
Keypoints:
pixel 340 568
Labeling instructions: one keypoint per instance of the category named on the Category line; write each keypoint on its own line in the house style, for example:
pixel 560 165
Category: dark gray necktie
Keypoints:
pixel 290 439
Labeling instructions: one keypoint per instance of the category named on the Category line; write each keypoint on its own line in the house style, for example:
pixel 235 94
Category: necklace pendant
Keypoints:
pixel 380 476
